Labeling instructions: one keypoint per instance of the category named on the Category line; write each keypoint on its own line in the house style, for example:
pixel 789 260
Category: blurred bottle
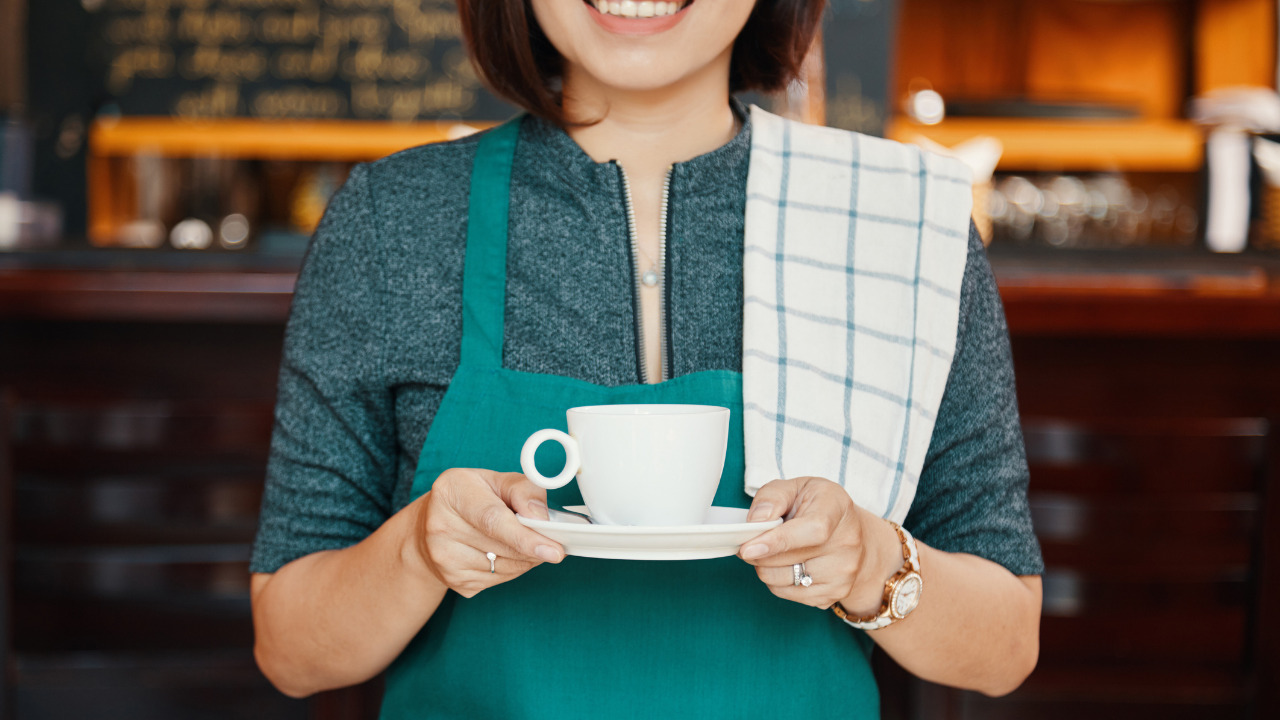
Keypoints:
pixel 221 199
pixel 24 223
pixel 152 180
pixel 1266 153
pixel 311 195
pixel 1103 210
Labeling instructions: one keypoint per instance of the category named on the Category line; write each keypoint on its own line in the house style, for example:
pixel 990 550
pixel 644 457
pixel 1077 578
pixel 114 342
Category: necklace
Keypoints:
pixel 653 276
pixel 649 278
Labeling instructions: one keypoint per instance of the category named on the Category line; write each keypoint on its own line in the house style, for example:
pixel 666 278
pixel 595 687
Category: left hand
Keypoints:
pixel 841 545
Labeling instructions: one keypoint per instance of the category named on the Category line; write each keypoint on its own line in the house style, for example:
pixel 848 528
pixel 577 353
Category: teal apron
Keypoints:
pixel 601 638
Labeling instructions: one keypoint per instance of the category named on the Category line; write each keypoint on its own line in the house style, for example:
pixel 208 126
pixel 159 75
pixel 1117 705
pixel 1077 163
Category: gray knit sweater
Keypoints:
pixel 374 333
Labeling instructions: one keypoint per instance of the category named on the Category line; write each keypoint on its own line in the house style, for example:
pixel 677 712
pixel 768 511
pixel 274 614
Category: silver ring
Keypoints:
pixel 800 576
pixel 493 558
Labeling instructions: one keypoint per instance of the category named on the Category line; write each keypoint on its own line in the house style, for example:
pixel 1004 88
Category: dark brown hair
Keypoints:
pixel 519 63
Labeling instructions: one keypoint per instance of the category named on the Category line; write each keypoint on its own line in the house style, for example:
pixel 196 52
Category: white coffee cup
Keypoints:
pixel 639 464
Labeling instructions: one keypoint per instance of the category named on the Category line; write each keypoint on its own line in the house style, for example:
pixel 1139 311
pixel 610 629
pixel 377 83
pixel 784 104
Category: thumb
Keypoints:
pixel 773 500
pixel 521 495
pixel 529 500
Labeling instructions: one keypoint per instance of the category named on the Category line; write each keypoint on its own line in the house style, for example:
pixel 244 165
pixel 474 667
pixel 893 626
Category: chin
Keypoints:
pixel 651 78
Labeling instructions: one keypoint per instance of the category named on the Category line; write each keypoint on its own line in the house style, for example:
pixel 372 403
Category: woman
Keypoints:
pixel 409 360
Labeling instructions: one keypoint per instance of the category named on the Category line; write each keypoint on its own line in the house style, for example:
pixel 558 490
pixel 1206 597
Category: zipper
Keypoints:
pixel 642 371
pixel 664 291
pixel 664 294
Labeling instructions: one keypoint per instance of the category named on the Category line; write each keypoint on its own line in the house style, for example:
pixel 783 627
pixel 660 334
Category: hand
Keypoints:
pixel 468 513
pixel 842 545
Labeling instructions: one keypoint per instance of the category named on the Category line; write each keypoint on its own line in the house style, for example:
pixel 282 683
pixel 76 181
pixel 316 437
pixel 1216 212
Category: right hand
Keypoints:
pixel 470 512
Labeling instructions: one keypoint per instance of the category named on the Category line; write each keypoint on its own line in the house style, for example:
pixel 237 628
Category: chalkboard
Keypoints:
pixel 858 53
pixel 360 59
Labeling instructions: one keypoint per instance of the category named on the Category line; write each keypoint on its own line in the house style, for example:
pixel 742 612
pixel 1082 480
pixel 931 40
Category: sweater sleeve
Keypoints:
pixel 972 496
pixel 330 474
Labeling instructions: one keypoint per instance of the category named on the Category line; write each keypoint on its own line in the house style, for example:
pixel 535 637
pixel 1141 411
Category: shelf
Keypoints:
pixel 1138 293
pixel 334 140
pixel 1063 293
pixel 1079 145
pixel 145 296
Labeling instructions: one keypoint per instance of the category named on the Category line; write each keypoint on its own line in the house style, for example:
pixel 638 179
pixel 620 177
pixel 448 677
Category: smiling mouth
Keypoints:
pixel 632 9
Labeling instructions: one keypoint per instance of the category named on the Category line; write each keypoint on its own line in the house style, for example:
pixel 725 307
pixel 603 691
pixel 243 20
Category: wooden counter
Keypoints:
pixel 1116 293
pixel 1149 385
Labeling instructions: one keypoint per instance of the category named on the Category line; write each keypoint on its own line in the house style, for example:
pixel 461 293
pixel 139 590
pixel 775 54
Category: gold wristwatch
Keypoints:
pixel 901 592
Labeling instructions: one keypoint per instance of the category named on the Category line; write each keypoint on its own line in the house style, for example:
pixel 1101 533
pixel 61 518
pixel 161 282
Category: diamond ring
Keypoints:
pixel 800 576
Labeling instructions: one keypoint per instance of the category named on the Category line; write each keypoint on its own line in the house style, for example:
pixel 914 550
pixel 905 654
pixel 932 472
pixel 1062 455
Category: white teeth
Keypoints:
pixel 642 9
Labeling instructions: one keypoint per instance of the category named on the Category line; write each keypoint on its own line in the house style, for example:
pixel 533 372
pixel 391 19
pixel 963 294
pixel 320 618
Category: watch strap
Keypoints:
pixel 885 616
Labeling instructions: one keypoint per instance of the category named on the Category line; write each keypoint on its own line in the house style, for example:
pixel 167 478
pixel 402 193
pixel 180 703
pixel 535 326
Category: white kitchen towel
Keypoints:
pixel 855 250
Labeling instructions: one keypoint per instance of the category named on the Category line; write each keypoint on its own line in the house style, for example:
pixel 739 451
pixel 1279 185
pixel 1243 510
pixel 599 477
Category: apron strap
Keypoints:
pixel 484 279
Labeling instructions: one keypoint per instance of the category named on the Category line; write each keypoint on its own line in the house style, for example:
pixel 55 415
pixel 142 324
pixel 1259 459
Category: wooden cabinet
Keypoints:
pixel 1151 509
pixel 133 162
pixel 1149 409
pixel 135 405
pixel 1128 55
pixel 139 416
pixel 140 413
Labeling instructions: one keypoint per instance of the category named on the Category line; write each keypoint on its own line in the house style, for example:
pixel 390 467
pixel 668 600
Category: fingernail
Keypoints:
pixel 752 552
pixel 760 512
pixel 547 553
pixel 539 508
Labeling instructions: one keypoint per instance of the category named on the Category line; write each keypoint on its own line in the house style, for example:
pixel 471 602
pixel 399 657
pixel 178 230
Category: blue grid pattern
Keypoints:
pixel 844 440
pixel 915 319
pixel 846 380
pixel 781 416
pixel 887 169
pixel 852 271
pixel 855 215
pixel 819 397
pixel 852 327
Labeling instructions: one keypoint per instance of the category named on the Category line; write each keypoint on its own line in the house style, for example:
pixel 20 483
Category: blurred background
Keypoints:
pixel 163 162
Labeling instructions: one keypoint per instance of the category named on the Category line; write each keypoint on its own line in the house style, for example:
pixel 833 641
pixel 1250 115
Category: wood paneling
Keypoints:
pixel 1148 419
pixel 6 553
pixel 1082 145
pixel 153 296
pixel 138 458
pixel 1266 627
pixel 349 140
pixel 1085 51
pixel 1152 462
pixel 141 416
pixel 1235 44
pixel 1053 50
pixel 973 50
pixel 207 685
pixel 13 60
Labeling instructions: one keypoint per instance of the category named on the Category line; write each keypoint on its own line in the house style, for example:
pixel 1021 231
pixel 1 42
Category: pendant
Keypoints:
pixel 650 277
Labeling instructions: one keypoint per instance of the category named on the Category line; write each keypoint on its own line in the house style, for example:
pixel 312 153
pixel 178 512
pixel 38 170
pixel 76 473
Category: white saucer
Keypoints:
pixel 723 533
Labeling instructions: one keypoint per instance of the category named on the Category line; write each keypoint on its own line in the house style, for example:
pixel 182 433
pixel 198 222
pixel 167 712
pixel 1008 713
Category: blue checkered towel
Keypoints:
pixel 855 251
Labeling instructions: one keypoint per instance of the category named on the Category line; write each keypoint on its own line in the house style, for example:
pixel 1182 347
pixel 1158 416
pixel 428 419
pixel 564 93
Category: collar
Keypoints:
pixel 557 154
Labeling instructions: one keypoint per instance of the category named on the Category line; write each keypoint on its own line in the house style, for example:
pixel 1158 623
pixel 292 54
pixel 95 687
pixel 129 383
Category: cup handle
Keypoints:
pixel 572 461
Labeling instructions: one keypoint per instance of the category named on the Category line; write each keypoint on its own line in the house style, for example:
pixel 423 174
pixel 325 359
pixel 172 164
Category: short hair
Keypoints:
pixel 518 63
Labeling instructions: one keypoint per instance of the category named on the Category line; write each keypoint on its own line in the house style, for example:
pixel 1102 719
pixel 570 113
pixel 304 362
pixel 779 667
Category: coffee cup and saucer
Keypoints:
pixel 648 475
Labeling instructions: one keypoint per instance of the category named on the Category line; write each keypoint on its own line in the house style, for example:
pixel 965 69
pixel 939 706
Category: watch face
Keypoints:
pixel 906 595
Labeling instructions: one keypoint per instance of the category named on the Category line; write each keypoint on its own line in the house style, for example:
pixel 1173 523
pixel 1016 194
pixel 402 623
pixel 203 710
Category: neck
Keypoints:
pixel 646 131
